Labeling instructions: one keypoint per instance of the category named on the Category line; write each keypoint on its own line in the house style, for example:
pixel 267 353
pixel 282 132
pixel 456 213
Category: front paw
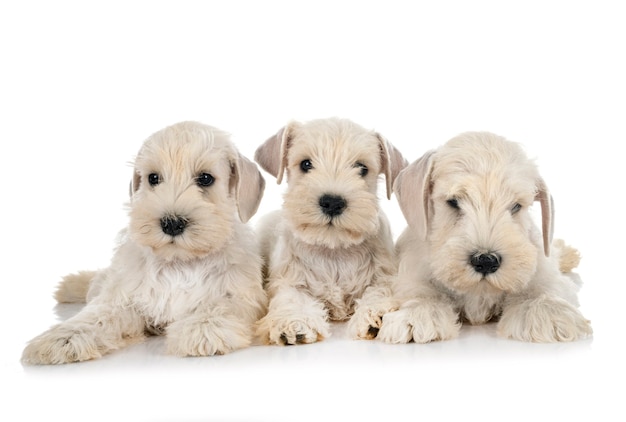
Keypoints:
pixel 293 330
pixel 421 322
pixel 543 320
pixel 60 345
pixel 366 322
pixel 201 337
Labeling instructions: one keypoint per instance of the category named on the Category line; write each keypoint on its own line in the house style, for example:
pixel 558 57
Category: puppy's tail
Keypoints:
pixel 73 288
pixel 569 257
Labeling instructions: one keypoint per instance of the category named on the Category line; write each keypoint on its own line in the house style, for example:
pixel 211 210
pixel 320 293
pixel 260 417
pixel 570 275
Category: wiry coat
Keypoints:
pixel 472 251
pixel 323 265
pixel 199 281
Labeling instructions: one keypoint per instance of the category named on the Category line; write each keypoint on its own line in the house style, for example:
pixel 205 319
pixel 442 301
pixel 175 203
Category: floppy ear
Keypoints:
pixel 392 162
pixel 412 188
pixel 247 184
pixel 547 214
pixel 134 183
pixel 272 154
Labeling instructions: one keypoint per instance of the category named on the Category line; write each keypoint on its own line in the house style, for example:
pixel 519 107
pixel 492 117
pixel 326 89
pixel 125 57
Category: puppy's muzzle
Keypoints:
pixel 486 263
pixel 173 225
pixel 332 205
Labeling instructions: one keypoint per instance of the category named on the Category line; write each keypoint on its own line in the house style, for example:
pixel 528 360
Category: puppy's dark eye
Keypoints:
pixel 515 208
pixel 306 165
pixel 453 203
pixel 205 179
pixel 154 179
pixel 362 169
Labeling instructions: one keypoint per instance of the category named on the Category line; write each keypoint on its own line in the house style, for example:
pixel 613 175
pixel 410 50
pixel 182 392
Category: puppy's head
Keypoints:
pixel 470 201
pixel 332 168
pixel 189 186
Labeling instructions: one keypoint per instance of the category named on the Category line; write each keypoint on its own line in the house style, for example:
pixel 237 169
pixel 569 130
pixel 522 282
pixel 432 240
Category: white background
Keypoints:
pixel 82 84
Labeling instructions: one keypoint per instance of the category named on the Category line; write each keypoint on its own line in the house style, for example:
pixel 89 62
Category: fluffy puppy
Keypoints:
pixel 329 251
pixel 187 266
pixel 472 252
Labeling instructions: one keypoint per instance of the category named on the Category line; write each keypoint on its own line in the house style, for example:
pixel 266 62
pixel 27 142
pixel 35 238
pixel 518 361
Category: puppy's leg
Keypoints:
pixel 98 329
pixel 377 299
pixel 369 310
pixel 422 320
pixel 216 330
pixel 293 317
pixel 543 319
pixel 547 311
pixel 425 315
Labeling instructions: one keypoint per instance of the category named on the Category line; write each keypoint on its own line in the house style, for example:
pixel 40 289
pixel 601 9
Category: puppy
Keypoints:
pixel 187 266
pixel 472 252
pixel 329 251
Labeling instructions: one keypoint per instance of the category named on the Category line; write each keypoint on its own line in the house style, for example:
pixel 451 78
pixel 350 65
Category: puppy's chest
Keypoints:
pixel 338 278
pixel 169 293
pixel 480 307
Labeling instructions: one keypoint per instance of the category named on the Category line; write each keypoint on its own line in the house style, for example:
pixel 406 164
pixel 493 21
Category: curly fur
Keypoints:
pixel 202 287
pixel 469 198
pixel 320 267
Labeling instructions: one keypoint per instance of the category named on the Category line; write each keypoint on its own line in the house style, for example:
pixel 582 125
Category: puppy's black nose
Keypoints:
pixel 486 263
pixel 332 205
pixel 173 225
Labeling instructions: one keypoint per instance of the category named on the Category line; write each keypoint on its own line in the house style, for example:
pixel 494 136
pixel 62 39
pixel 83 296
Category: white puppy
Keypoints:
pixel 329 251
pixel 472 251
pixel 187 265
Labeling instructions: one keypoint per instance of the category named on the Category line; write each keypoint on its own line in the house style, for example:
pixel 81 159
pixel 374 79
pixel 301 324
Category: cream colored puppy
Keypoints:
pixel 186 266
pixel 329 251
pixel 472 251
